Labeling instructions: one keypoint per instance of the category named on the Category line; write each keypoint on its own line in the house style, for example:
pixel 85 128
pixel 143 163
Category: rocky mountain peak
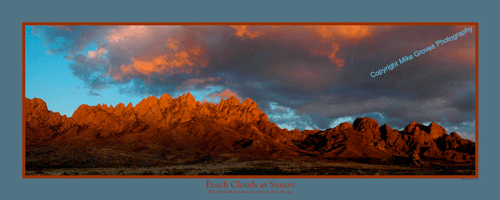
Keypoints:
pixel 162 112
pixel 436 131
pixel 365 123
pixel 344 126
pixel 414 127
pixel 189 100
pixel 431 132
pixel 250 104
pixel 233 101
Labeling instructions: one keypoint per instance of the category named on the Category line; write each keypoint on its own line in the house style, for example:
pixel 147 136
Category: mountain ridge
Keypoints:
pixel 169 127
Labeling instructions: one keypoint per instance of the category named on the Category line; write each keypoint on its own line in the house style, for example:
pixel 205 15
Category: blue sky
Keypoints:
pixel 305 77
pixel 49 78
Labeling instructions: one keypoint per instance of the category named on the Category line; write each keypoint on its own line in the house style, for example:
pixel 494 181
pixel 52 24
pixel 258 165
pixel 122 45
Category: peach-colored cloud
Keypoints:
pixel 225 95
pixel 334 35
pixel 331 51
pixel 243 32
pixel 181 61
pixel 344 31
pixel 185 56
pixel 463 53
pixel 173 44
pixel 340 63
pixel 466 55
pixel 330 37
pixel 98 53
pixel 127 31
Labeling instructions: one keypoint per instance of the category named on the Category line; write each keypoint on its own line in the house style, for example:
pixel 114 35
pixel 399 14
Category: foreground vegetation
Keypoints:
pixel 262 168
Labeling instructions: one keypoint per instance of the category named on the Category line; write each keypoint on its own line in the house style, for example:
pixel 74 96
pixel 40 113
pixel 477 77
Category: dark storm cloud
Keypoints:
pixel 424 88
pixel 198 83
pixel 70 39
pixel 302 76
pixel 89 70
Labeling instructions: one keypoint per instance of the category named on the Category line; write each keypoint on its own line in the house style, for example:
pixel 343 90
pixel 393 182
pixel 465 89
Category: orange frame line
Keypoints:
pixel 475 176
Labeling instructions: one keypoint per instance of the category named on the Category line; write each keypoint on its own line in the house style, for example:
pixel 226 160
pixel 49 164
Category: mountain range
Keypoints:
pixel 182 130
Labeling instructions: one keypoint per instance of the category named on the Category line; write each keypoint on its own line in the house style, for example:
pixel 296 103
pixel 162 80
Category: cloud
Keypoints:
pixel 89 70
pixel 286 117
pixel 331 53
pixel 127 32
pixel 379 117
pixel 97 54
pixel 394 107
pixel 173 44
pixel 70 39
pixel 159 53
pixel 243 32
pixel 344 31
pixel 319 75
pixel 224 95
pixel 178 62
pixel 340 120
pixel 92 93
pixel 198 83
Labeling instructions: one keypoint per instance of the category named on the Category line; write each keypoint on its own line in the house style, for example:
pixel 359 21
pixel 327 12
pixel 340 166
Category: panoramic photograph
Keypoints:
pixel 246 99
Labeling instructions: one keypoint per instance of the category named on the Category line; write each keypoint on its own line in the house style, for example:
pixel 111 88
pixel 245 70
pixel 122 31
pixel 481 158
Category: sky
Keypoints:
pixel 301 76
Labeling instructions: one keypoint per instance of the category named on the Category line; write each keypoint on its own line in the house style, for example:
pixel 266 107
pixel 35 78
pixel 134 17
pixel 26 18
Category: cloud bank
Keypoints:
pixel 303 77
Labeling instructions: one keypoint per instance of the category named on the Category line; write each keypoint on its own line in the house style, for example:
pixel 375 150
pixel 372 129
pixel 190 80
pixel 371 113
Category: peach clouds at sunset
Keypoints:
pixel 127 32
pixel 178 62
pixel 344 31
pixel 243 32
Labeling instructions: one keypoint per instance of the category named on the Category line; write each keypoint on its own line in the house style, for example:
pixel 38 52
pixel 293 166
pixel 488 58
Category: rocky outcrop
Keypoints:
pixel 42 124
pixel 164 113
pixel 347 141
pixel 365 139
